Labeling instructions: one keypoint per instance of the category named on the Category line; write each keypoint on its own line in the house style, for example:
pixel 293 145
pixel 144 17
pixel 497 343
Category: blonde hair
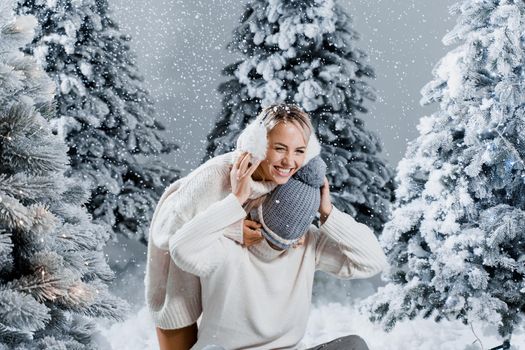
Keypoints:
pixel 284 112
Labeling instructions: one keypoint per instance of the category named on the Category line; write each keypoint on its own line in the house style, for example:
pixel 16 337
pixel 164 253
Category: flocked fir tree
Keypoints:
pixel 456 238
pixel 52 269
pixel 104 112
pixel 303 52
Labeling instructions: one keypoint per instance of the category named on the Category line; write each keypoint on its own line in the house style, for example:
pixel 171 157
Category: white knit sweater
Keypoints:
pixel 258 297
pixel 172 295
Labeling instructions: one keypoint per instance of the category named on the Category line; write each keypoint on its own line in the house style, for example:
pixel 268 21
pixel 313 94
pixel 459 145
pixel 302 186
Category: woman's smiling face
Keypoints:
pixel 285 154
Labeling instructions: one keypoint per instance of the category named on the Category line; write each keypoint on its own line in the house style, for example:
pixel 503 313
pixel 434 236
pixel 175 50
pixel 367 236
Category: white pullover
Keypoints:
pixel 258 297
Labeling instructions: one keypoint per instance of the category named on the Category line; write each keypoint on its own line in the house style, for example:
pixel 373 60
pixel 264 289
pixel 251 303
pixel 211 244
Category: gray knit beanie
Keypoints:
pixel 290 209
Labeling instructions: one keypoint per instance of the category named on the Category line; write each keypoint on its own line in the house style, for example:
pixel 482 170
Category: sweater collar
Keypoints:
pixel 264 251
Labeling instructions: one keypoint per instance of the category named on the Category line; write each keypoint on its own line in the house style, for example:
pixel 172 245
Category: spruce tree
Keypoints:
pixel 303 52
pixel 52 269
pixel 104 113
pixel 455 241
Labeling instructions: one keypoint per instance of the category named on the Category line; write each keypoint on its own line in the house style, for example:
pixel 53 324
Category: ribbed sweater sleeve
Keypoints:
pixel 235 231
pixel 197 247
pixel 348 249
pixel 204 187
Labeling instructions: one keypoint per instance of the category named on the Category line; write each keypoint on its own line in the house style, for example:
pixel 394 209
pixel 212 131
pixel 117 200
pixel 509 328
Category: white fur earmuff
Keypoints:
pixel 253 139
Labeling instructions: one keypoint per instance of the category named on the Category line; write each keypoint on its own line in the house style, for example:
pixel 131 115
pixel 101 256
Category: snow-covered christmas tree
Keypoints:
pixel 53 272
pixel 456 238
pixel 104 113
pixel 303 52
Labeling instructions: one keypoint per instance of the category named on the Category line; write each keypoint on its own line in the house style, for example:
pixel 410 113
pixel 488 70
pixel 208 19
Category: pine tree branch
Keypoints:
pixel 510 145
pixel 42 286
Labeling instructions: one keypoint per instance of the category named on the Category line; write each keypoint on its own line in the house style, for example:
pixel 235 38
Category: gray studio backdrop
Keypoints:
pixel 180 48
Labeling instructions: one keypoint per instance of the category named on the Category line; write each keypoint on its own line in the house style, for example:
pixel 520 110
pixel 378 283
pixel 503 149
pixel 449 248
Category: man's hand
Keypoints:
pixel 241 176
pixel 325 208
pixel 251 232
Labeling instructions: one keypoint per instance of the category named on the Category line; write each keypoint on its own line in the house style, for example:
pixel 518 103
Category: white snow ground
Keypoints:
pixel 333 320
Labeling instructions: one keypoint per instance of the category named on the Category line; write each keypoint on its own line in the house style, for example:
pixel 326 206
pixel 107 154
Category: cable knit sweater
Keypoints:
pixel 258 297
pixel 173 296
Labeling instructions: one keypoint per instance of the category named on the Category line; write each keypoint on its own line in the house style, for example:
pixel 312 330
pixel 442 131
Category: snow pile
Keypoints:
pixel 333 320
pixel 136 333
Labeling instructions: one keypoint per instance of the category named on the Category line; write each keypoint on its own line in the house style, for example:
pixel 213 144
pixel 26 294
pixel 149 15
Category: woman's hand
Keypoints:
pixel 325 208
pixel 251 232
pixel 241 176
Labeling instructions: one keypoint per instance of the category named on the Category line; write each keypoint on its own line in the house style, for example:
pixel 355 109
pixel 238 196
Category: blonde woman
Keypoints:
pixel 173 296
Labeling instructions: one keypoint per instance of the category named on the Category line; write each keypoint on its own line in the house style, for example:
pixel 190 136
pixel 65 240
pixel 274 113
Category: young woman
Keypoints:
pixel 259 297
pixel 174 296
